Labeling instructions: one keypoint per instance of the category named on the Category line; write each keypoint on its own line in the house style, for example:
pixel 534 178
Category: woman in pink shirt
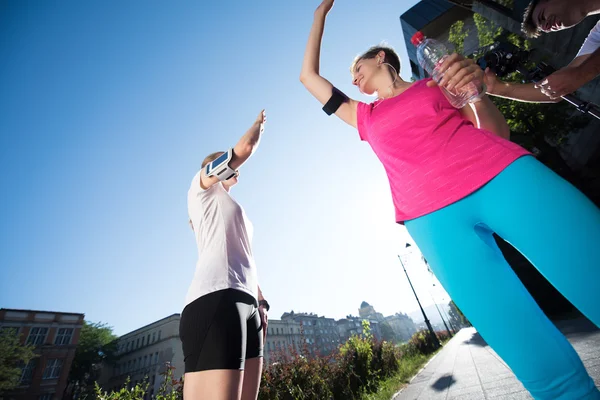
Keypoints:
pixel 456 179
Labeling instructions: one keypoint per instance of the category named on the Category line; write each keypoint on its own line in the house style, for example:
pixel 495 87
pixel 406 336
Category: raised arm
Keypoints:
pixel 242 151
pixel 318 86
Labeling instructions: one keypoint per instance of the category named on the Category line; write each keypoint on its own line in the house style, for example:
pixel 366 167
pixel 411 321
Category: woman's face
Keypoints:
pixel 364 72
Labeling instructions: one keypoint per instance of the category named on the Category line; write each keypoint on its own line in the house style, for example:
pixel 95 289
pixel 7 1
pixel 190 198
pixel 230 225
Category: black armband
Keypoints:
pixel 335 101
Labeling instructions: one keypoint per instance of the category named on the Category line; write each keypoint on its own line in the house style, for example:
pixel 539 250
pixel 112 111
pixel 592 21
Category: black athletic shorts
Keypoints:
pixel 220 330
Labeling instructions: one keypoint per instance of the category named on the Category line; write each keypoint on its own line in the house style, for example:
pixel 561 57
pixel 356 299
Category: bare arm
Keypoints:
pixel 242 151
pixel 318 86
pixel 485 115
pixel 570 78
pixel 564 81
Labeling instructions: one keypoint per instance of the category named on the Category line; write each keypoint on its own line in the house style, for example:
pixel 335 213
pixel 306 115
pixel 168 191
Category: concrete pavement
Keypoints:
pixel 468 369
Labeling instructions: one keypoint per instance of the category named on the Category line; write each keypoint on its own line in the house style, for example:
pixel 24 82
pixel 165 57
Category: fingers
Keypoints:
pixel 452 70
pixel 462 77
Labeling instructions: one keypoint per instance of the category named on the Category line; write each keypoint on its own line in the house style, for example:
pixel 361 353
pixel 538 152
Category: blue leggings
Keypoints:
pixel 558 229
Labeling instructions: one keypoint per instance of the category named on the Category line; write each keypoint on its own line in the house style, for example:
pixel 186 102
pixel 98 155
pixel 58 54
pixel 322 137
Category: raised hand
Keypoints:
pixel 325 6
pixel 261 120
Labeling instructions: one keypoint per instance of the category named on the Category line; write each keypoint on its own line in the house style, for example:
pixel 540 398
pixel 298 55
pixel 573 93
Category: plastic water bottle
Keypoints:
pixel 431 54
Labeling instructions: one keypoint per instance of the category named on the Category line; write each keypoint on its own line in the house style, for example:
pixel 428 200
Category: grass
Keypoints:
pixel 408 368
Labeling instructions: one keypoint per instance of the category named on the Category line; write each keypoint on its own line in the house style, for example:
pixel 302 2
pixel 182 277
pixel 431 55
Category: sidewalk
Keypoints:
pixel 468 369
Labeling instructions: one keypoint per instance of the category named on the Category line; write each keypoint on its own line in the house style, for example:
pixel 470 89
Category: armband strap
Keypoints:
pixel 335 101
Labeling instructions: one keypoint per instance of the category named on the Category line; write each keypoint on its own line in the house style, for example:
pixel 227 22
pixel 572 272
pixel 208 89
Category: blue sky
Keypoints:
pixel 108 109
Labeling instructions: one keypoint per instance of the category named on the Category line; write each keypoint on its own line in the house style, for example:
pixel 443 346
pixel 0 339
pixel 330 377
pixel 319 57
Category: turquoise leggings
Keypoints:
pixel 558 229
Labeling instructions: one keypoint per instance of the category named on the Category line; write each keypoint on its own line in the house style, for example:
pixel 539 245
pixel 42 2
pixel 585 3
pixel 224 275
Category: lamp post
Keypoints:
pixel 431 332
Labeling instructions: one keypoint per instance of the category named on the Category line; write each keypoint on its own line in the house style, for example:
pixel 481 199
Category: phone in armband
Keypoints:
pixel 220 167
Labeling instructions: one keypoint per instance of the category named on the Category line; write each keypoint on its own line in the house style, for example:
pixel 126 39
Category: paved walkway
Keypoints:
pixel 468 369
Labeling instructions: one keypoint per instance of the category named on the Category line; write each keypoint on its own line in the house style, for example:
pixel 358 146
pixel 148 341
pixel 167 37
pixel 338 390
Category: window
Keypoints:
pixel 156 357
pixel 52 370
pixel 27 372
pixel 148 339
pixel 63 337
pixel 268 346
pixel 37 336
pixel 143 339
pixel 145 361
pixel 46 396
pixel 128 366
pixel 153 337
pixel 159 332
pixel 137 344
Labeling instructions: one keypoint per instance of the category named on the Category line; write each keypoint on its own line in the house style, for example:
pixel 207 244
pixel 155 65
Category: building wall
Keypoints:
pixel 283 339
pixel 57 337
pixel 144 355
pixel 321 334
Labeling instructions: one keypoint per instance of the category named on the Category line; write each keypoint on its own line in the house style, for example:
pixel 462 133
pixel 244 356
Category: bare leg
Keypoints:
pixel 217 384
pixel 252 376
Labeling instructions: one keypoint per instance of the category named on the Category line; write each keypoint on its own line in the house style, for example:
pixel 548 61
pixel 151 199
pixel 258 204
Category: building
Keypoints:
pixel 402 325
pixel 144 355
pixel 55 336
pixel 321 334
pixel 351 326
pixel 434 18
pixel 284 338
pixel 367 311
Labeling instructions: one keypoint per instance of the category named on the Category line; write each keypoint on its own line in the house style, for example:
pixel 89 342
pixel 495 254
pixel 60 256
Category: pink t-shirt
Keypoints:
pixel 432 155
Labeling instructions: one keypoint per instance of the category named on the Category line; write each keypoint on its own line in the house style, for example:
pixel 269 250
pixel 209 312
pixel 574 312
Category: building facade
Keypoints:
pixel 434 18
pixel 402 325
pixel 284 339
pixel 351 326
pixel 144 354
pixel 321 334
pixel 55 336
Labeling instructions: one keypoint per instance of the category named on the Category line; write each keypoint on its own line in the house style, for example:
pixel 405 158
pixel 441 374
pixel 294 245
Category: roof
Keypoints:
pixel 41 311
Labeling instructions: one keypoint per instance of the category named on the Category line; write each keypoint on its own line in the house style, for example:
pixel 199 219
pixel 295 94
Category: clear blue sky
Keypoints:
pixel 108 109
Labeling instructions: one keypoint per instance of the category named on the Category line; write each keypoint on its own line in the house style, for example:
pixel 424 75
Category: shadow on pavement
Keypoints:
pixel 443 383
pixel 477 340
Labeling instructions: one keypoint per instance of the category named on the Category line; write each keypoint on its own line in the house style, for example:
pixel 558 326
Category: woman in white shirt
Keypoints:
pixel 223 324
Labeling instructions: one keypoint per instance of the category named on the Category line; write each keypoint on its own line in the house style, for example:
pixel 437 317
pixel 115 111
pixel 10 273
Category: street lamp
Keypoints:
pixel 431 332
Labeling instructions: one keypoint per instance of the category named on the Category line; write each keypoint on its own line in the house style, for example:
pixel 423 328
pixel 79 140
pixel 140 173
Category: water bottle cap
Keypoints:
pixel 417 38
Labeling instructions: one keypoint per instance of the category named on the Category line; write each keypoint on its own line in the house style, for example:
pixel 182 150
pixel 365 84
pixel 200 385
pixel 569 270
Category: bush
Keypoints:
pixel 422 343
pixel 356 370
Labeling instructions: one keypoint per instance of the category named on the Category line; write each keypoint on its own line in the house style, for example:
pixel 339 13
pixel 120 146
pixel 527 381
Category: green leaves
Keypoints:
pixel 13 358
pixel 97 346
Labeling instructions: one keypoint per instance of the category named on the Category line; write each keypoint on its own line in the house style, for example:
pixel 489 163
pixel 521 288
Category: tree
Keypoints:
pixel 97 346
pixel 457 318
pixel 539 128
pixel 13 357
pixel 387 333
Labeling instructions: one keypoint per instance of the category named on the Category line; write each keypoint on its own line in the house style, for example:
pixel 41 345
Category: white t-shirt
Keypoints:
pixel 592 42
pixel 223 235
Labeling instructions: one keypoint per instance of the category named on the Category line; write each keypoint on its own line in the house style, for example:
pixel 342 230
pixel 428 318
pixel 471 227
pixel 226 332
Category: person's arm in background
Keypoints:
pixel 567 80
